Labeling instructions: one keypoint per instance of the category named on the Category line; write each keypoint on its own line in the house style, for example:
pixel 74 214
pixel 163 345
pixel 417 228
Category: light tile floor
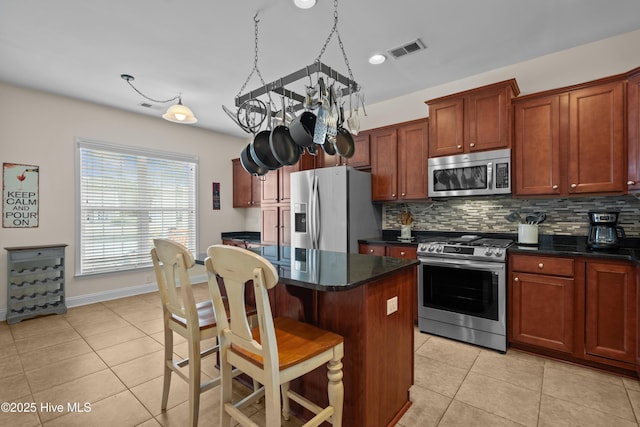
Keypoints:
pixel 109 357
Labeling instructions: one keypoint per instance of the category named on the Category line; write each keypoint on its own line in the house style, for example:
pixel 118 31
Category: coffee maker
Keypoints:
pixel 604 233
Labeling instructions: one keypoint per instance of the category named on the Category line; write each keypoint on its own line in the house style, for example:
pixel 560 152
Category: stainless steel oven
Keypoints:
pixel 462 290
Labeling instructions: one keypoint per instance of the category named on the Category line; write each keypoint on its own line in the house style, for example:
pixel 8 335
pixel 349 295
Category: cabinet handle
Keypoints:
pixel 555 187
pixel 516 279
pixel 458 146
pixel 472 145
pixel 541 266
pixel 631 183
pixel 574 185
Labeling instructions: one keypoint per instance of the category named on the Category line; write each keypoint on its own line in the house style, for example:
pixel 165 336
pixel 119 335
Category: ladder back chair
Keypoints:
pixel 195 322
pixel 275 352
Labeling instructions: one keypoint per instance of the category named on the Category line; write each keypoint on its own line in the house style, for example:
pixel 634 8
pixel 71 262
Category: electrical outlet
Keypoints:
pixel 392 305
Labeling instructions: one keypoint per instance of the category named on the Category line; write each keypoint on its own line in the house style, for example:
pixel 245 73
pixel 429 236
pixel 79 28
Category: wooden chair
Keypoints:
pixel 274 353
pixel 196 322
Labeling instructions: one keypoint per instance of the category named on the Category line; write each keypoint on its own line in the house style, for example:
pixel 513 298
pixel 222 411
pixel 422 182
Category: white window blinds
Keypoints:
pixel 126 197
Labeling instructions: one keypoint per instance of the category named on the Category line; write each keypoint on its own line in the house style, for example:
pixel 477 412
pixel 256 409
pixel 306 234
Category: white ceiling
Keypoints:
pixel 204 49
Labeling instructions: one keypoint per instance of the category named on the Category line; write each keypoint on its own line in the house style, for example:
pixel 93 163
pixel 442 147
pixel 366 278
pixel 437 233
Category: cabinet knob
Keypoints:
pixel 249 203
pixel 393 195
pixel 404 194
pixel 402 253
pixel 370 251
pixel 574 185
pixel 541 266
pixel 631 183
pixel 275 226
pixel 458 146
pixel 555 187
pixel 472 145
pixel 516 279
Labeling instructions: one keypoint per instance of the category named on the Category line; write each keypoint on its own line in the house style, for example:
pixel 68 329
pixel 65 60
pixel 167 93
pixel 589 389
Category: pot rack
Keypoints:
pixel 342 85
pixel 296 100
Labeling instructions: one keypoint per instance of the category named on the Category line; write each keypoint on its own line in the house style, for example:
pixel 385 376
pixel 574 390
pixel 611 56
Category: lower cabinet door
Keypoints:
pixel 542 311
pixel 610 317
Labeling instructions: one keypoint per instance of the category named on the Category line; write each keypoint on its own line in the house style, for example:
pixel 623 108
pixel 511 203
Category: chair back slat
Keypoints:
pixel 171 262
pixel 237 266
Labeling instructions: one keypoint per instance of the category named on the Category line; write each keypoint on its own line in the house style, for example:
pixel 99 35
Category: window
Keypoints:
pixel 125 198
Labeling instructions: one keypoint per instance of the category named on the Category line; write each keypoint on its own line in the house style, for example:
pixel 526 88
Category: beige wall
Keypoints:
pixel 40 129
pixel 582 64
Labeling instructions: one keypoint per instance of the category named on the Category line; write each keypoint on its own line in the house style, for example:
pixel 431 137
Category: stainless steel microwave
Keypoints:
pixel 473 174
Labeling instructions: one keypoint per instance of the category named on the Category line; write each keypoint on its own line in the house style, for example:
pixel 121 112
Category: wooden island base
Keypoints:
pixel 378 362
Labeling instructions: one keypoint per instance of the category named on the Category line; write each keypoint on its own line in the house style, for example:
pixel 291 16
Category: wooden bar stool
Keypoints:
pixel 274 353
pixel 196 322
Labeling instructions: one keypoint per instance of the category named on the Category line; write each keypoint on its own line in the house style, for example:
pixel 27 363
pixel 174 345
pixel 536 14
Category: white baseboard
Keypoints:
pixel 111 295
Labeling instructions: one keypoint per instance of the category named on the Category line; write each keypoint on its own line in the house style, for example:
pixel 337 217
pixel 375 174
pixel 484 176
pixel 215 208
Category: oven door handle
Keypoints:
pixel 463 263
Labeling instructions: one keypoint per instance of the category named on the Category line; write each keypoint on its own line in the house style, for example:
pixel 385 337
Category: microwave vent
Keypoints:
pixel 411 47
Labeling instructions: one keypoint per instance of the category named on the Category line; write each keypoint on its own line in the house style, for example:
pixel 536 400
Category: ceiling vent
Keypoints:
pixel 406 49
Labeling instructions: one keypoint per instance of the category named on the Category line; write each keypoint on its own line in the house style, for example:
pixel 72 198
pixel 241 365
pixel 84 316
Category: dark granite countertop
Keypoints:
pixel 245 236
pixel 330 271
pixel 548 244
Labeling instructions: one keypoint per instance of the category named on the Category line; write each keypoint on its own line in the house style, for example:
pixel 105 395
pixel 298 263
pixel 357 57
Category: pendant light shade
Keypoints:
pixel 179 114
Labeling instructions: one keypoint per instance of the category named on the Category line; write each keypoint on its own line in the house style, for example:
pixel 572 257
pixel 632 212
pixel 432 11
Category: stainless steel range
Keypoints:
pixel 462 289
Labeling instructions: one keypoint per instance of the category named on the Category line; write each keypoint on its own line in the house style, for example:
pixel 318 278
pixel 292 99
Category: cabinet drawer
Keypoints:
pixel 543 265
pixel 371 249
pixel 36 254
pixel 398 251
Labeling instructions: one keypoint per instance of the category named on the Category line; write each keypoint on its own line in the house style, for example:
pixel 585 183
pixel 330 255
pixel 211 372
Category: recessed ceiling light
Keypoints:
pixel 304 4
pixel 376 59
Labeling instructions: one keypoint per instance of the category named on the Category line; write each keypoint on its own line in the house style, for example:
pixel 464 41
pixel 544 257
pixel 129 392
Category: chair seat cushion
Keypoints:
pixel 207 316
pixel 297 342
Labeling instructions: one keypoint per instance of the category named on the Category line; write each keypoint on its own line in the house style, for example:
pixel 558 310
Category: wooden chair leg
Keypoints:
pixel 226 389
pixel 286 410
pixel 168 360
pixel 335 390
pixel 194 381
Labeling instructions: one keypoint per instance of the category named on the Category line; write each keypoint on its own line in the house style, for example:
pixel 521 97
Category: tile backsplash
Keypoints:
pixel 566 216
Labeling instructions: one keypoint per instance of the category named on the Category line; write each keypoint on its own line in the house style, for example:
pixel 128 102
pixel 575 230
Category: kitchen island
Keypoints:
pixel 370 301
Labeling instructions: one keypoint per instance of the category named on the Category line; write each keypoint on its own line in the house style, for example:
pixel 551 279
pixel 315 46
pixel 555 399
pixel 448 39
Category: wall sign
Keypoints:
pixel 216 195
pixel 20 205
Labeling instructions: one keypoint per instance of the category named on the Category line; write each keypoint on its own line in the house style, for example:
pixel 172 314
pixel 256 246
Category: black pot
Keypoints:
pixel 302 127
pixel 283 147
pixel 261 151
pixel 248 164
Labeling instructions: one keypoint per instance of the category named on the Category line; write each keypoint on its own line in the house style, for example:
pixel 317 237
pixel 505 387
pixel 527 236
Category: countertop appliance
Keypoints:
pixel 604 231
pixel 472 174
pixel 462 289
pixel 331 209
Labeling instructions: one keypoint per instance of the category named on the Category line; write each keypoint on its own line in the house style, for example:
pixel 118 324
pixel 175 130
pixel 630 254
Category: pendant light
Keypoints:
pixel 178 113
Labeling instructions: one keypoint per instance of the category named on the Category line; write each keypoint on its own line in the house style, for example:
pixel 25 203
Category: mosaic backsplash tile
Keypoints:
pixel 565 216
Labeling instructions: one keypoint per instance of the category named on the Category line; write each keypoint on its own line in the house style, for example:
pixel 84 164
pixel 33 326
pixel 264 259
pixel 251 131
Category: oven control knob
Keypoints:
pixel 422 247
pixel 439 248
pixel 488 252
pixel 499 252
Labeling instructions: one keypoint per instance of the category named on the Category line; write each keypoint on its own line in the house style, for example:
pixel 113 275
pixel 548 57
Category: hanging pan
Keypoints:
pixel 344 144
pixel 283 147
pixel 249 165
pixel 260 149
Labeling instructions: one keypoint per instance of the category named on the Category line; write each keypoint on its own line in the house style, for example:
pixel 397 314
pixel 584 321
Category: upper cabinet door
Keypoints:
pixel 384 164
pixel 412 161
pixel 597 149
pixel 488 120
pixel 633 114
pixel 537 146
pixel 446 127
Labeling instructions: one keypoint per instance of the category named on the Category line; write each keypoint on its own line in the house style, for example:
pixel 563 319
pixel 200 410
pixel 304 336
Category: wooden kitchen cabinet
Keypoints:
pixel 541 293
pixel 276 185
pixel 246 187
pixel 396 251
pixel 474 120
pixel 398 161
pixel 610 311
pixel 571 140
pixel 633 123
pixel 361 158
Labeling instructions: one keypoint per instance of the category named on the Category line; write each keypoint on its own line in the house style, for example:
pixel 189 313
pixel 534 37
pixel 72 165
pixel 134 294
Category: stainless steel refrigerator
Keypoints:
pixel 331 209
